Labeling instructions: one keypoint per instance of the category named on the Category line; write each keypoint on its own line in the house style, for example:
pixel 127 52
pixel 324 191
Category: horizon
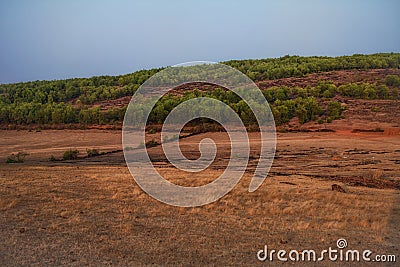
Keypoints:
pixel 65 40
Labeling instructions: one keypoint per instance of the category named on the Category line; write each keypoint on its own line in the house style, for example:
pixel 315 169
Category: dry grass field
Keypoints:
pixel 90 211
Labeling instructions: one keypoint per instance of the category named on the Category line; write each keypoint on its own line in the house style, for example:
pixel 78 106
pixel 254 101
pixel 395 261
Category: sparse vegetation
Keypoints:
pixel 141 145
pixel 76 201
pixel 170 139
pixel 17 157
pixel 71 154
pixel 152 143
pixel 92 152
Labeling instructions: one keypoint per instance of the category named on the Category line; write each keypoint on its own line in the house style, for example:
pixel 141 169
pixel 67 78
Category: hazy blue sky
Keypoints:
pixel 56 39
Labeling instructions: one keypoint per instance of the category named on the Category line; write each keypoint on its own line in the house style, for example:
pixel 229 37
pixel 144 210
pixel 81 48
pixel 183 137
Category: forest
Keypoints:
pixel 75 101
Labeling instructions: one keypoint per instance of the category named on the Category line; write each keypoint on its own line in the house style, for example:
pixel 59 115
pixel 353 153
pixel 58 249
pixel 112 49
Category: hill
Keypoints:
pixel 302 88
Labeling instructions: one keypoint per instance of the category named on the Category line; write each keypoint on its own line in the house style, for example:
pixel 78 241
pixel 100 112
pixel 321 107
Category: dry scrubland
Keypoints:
pixel 91 212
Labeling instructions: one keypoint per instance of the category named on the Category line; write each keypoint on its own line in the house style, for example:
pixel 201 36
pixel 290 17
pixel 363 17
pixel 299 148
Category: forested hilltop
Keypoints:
pixel 103 99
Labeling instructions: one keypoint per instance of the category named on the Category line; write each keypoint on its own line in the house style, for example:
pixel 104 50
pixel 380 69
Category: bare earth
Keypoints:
pixel 91 212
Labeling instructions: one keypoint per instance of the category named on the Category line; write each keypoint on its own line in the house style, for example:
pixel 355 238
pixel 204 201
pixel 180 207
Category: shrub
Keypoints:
pixel 307 109
pixel 395 93
pixel 92 152
pixel 16 158
pixel 334 110
pixel 284 113
pixel 301 113
pixel 369 92
pixel 329 93
pixel 352 90
pixel 52 158
pixel 326 89
pixel 382 92
pixel 152 143
pixel 392 80
pixel 70 154
pixel 282 130
pixel 170 139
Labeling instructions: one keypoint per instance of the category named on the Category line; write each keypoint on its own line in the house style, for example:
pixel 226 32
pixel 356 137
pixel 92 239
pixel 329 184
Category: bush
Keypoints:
pixel 352 90
pixel 334 110
pixel 326 88
pixel 307 109
pixel 16 158
pixel 382 92
pixel 395 93
pixel 392 80
pixel 92 152
pixel 152 143
pixel 369 92
pixel 301 113
pixel 170 139
pixel 70 154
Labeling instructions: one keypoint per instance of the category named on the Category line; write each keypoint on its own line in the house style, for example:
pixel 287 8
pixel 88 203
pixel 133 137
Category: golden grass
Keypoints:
pixel 80 214
pixel 105 209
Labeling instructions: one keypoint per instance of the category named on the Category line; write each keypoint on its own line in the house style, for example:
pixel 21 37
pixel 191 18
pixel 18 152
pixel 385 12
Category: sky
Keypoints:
pixel 59 39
